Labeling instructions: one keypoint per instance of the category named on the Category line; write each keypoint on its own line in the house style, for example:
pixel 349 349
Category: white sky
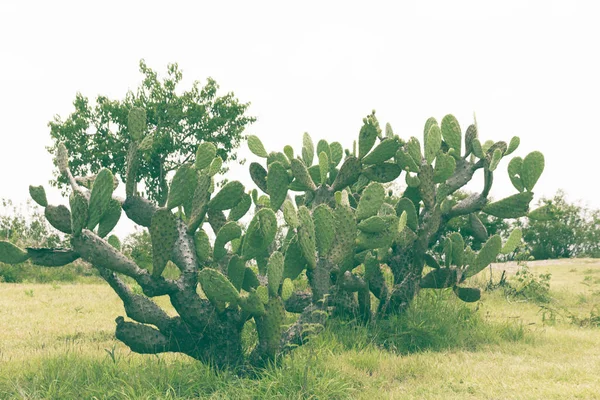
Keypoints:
pixel 527 68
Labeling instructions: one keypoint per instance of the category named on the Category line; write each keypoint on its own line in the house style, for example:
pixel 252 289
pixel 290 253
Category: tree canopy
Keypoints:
pixel 97 136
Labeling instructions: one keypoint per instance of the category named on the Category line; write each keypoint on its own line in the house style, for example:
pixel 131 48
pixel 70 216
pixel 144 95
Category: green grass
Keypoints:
pixel 56 342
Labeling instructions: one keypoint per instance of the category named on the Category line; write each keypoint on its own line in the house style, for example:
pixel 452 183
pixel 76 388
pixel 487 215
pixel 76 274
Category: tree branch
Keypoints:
pixel 100 253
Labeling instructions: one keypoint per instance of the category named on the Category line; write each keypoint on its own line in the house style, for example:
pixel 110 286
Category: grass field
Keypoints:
pixel 57 342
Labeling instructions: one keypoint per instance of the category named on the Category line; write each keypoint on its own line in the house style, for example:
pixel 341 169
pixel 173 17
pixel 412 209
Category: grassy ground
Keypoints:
pixel 56 341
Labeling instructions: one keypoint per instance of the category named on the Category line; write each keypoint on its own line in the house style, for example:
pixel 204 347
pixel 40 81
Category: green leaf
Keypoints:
pixel 323 166
pixel 236 271
pixel 110 218
pixel 513 145
pixel 383 173
pixel 301 174
pixel 433 142
pixel 275 272
pixel 79 212
pixel 324 221
pixel 367 136
pixel 259 176
pixel 348 174
pixel 383 152
pixel 241 208
pixel 514 240
pixel 215 166
pixel 226 234
pixel 306 236
pixel 485 257
pixel 202 245
pixel 515 167
pixel 337 152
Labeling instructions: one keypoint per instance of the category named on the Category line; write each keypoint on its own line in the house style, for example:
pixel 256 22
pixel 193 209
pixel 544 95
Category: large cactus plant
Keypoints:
pixel 356 245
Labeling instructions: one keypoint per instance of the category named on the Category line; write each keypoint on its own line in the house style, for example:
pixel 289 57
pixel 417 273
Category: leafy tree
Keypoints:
pixel 98 137
pixel 573 230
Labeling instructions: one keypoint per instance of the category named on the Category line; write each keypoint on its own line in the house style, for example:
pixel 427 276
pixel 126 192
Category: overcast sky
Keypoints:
pixel 526 68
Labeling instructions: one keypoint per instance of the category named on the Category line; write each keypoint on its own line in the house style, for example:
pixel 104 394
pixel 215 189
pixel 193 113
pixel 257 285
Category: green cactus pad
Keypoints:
pixel 413 148
pixel 275 272
pixel 146 143
pixel 100 197
pixel 513 241
pixel 470 135
pixel 479 230
pixel 217 287
pixel 215 166
pixel 294 262
pixel 11 254
pixel 426 186
pixel 204 155
pixel 241 208
pixel 62 158
pixel 250 280
pixel 402 221
pixel 348 174
pixel 306 236
pixel 183 186
pixel 287 289
pixel 136 123
pixel 513 145
pixel 263 294
pixel 290 215
pixel 228 197
pixel 405 161
pixel 163 233
pixel 38 194
pixel 288 151
pixel 256 147
pixel 477 148
pixel 383 152
pixel 337 152
pixel 227 233
pixel 389 132
pixel 367 241
pixel 202 246
pixel 59 217
pixel 485 257
pixel 279 157
pixel 315 175
pixel 468 295
pixel 252 303
pixel 269 327
pixel 367 136
pixel 342 251
pixel 514 206
pixel 458 249
pixel 406 205
pixel 428 124
pixel 302 175
pixel 374 224
pixel 487 145
pixel 308 149
pixel 323 147
pixel 544 213
pixel 114 242
pixel 448 252
pixel 236 270
pixel 277 184
pixel 260 233
pixel 110 218
pixel 440 278
pixel 451 133
pixel 370 201
pixel 324 228
pixel 383 173
pixel 515 167
pixel 259 176
pixel 79 212
pixel 533 166
pixel 430 261
pixel 323 167
pixel 495 160
pixel 444 168
pixel 433 142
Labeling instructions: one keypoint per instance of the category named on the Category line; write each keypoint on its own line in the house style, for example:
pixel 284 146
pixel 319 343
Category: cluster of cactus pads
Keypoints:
pixel 354 247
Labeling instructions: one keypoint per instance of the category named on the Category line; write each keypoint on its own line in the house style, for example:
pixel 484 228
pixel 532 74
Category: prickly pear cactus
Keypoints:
pixel 322 218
